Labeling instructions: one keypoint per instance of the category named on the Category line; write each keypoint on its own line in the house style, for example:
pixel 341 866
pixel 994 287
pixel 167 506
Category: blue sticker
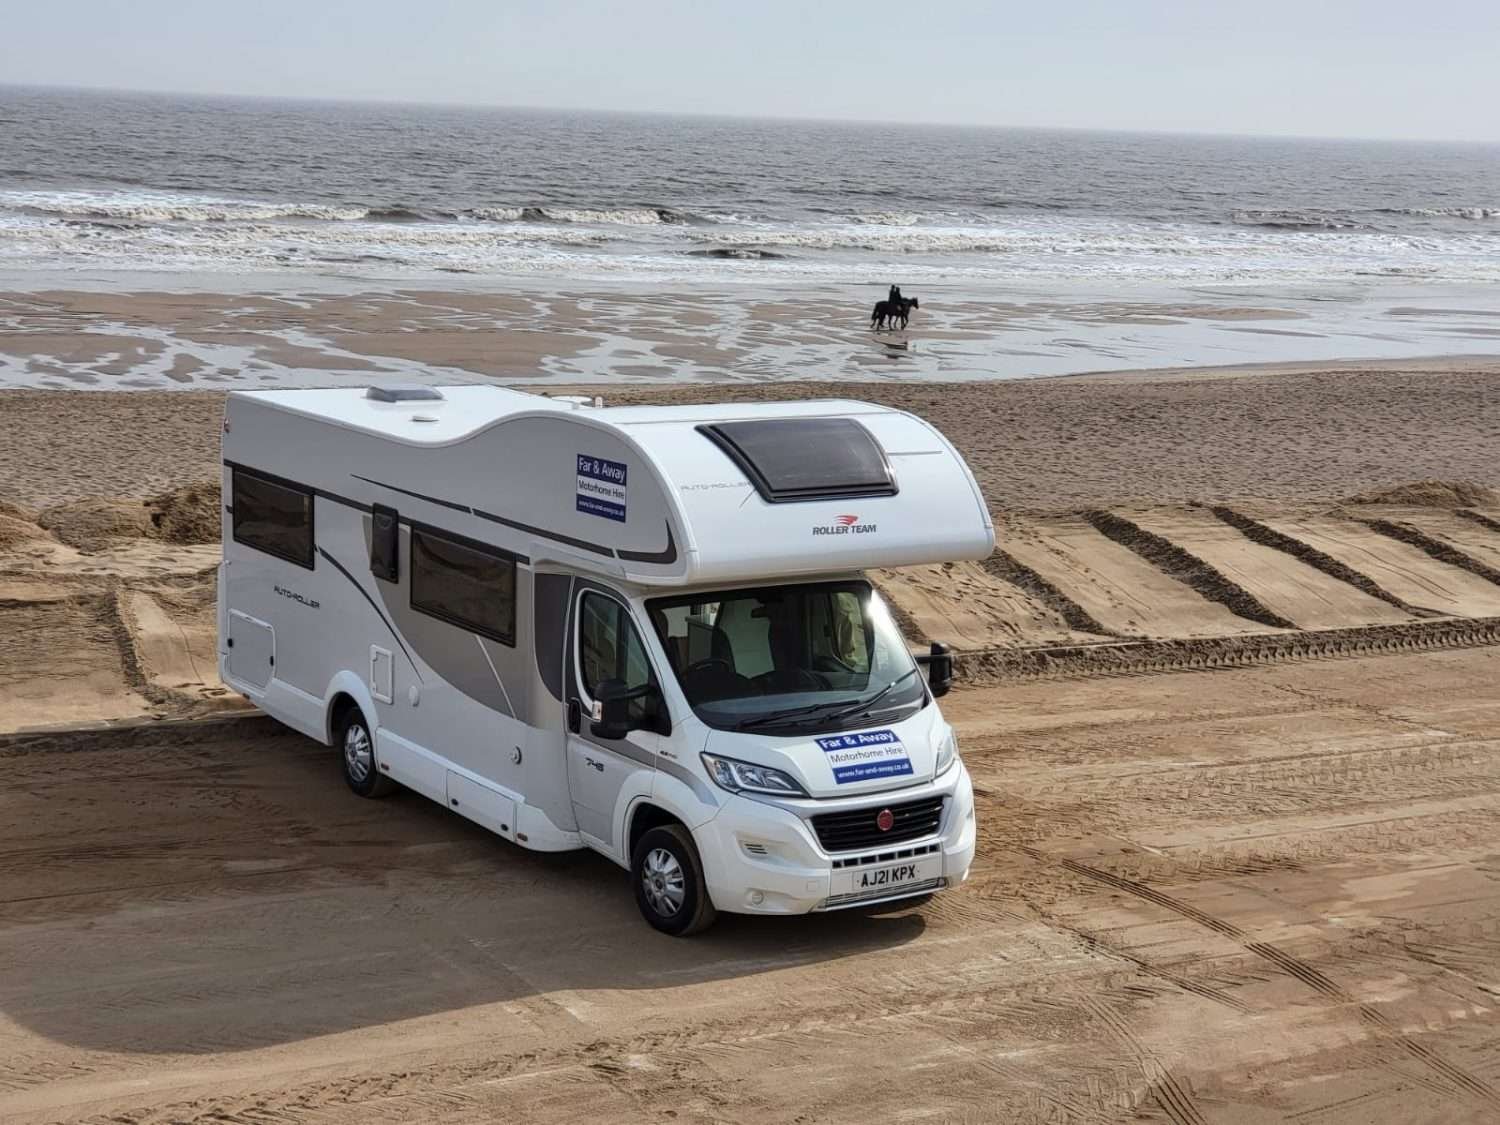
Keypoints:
pixel 866 755
pixel 601 488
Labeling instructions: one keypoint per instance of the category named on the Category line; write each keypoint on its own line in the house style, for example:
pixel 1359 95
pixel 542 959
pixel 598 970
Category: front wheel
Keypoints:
pixel 669 885
pixel 358 748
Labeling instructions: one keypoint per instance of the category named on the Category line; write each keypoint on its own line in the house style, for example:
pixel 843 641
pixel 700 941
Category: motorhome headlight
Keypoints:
pixel 737 776
pixel 947 754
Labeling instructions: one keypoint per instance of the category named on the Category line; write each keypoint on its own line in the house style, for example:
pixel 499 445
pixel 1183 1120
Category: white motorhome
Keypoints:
pixel 642 630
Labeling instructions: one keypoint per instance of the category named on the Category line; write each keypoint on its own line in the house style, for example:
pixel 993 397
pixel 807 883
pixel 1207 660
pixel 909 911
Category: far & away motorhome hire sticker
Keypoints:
pixel 866 755
pixel 601 487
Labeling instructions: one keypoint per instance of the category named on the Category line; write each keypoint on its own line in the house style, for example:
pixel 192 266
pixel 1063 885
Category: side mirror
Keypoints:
pixel 939 663
pixel 612 718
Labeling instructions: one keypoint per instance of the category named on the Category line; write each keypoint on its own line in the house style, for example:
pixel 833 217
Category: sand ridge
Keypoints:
pixel 129 538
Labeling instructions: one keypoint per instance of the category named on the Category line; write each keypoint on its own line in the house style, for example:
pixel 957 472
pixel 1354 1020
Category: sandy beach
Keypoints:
pixel 1227 695
pixel 1305 433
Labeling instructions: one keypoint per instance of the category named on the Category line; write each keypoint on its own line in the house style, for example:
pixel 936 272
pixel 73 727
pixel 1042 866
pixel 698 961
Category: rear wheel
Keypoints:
pixel 358 748
pixel 669 885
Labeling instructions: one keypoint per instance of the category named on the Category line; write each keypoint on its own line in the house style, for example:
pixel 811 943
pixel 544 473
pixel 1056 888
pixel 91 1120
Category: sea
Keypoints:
pixel 93 181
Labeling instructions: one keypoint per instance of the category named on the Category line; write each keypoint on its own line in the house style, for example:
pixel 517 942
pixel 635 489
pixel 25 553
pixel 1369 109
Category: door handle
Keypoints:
pixel 575 715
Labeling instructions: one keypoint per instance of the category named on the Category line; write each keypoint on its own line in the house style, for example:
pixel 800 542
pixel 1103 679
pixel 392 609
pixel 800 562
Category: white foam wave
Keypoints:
pixel 497 214
pixel 627 216
pixel 1016 247
pixel 1446 212
pixel 887 219
pixel 160 207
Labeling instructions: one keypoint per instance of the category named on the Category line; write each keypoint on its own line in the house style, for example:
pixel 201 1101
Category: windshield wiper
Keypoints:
pixel 840 707
pixel 791 713
pixel 864 705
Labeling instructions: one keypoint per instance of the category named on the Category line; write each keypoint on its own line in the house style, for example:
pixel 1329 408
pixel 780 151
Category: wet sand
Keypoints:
pixel 133 333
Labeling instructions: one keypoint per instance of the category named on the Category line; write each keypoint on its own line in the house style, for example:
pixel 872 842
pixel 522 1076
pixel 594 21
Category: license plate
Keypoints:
pixel 888 877
pixel 881 878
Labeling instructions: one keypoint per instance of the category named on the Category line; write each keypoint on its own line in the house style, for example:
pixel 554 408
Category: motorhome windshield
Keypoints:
pixel 788 659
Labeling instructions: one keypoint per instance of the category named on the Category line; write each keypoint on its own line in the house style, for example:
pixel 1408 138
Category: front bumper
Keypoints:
pixel 763 857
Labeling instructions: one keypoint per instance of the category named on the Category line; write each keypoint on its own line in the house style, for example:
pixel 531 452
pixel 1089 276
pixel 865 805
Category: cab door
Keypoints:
pixel 603 644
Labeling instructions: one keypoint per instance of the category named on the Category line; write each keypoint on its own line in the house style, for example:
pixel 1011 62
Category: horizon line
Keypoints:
pixel 224 95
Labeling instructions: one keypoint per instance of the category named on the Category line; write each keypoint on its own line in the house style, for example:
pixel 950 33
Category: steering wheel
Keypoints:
pixel 713 675
pixel 711 664
pixel 776 679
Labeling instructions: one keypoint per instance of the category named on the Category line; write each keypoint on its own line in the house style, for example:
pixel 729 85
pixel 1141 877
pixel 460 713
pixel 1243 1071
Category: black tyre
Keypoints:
pixel 357 748
pixel 668 879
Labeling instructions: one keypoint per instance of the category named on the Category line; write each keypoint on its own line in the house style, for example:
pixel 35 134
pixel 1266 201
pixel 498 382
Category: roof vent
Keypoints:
pixel 403 394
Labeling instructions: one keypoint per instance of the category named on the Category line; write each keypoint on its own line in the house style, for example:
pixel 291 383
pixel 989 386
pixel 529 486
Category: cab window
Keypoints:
pixel 609 648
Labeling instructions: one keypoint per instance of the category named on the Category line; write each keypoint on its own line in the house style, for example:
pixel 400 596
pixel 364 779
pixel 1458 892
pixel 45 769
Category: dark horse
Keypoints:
pixel 886 313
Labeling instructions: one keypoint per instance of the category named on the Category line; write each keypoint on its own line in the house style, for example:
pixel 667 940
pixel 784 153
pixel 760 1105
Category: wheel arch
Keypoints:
pixel 345 690
pixel 644 815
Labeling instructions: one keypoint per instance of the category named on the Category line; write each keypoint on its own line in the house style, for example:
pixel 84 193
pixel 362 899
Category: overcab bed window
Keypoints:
pixel 464 583
pixel 273 515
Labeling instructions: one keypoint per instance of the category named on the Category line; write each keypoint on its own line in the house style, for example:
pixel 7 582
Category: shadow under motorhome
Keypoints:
pixel 643 630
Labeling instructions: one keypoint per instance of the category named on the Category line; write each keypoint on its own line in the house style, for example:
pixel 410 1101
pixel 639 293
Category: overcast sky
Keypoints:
pixel 1369 68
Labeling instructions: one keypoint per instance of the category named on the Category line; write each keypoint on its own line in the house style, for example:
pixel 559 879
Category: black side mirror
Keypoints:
pixel 614 720
pixel 939 663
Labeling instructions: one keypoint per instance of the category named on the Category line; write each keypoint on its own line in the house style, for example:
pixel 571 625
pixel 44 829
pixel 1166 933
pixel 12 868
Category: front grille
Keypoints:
pixel 869 859
pixel 857 829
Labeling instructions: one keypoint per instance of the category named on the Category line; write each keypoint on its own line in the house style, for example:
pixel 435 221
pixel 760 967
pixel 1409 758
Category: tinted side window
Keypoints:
pixel 385 543
pixel 273 516
pixel 609 648
pixel 465 584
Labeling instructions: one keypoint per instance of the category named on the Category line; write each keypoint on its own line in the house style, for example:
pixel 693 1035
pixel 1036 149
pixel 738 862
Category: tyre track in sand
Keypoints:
pixel 1063 983
pixel 1461 1080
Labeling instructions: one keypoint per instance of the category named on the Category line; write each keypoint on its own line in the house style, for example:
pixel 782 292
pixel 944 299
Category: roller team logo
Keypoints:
pixel 843 525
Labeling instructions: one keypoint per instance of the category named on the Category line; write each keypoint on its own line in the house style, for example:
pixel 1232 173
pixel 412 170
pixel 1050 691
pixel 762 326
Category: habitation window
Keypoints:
pixel 273 515
pixel 464 583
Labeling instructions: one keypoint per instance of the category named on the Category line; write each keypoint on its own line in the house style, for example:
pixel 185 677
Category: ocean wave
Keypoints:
pixel 163 208
pixel 736 253
pixel 159 207
pixel 1298 220
pixel 887 219
pixel 495 214
pixel 614 216
pixel 1443 212
pixel 402 238
pixel 403 215
pixel 587 216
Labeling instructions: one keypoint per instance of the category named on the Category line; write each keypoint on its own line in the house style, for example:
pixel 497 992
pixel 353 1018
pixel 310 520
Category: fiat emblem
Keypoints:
pixel 885 820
